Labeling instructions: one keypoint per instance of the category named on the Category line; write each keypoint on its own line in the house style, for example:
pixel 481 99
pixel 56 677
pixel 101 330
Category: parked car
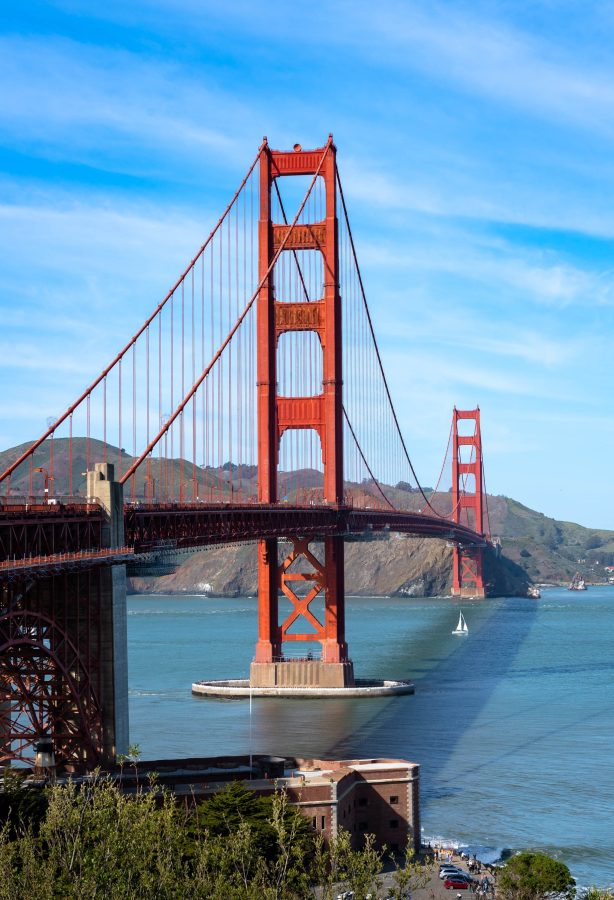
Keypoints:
pixel 465 875
pixel 457 883
pixel 445 870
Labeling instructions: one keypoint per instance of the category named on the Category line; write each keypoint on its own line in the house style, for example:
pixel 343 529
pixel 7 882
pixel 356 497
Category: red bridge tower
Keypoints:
pixel 301 576
pixel 467 503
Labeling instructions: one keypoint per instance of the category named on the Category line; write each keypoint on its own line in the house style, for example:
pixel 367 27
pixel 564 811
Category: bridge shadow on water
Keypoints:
pixel 456 679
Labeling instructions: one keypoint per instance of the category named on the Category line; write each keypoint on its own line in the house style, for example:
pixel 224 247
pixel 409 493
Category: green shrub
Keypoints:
pixel 532 876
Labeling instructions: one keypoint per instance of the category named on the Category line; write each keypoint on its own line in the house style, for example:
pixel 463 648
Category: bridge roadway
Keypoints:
pixel 65 534
pixel 201 524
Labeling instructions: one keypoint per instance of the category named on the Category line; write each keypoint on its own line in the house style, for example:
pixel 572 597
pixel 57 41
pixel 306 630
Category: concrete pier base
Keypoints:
pixel 312 673
pixel 240 688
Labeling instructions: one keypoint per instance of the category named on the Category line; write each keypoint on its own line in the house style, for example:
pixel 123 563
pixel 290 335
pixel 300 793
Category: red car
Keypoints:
pixel 459 884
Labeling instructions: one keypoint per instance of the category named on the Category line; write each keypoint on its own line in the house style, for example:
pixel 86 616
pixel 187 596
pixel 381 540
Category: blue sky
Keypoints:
pixel 475 142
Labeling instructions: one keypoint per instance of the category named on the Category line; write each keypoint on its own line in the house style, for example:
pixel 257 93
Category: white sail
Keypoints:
pixel 461 628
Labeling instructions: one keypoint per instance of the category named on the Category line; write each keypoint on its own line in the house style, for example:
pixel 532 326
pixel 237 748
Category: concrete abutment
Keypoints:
pixel 302 673
pixel 105 490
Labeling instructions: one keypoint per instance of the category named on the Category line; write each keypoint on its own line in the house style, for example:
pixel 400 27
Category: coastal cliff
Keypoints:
pixel 389 565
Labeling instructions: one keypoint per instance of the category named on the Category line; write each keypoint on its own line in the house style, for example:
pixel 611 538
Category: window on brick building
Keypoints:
pixel 394 847
pixel 394 823
pixel 323 822
pixel 394 800
pixel 313 822
pixel 362 801
pixel 362 826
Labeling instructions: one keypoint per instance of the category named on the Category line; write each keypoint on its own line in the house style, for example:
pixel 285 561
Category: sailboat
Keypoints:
pixel 461 628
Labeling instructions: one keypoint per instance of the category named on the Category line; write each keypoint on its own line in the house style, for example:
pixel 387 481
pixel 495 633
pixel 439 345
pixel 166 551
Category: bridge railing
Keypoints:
pixel 59 558
pixel 34 505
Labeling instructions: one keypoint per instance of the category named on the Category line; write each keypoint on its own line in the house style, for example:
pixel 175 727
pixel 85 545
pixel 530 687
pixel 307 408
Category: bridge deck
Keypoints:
pixel 44 539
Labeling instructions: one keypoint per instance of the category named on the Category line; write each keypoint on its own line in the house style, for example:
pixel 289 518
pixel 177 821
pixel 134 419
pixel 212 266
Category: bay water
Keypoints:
pixel 512 725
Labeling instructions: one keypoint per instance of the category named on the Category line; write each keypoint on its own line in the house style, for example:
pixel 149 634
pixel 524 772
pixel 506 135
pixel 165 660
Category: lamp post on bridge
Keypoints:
pixel 47 478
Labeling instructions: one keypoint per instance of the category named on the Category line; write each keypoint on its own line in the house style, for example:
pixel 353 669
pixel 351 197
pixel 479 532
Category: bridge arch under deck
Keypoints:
pixel 57 668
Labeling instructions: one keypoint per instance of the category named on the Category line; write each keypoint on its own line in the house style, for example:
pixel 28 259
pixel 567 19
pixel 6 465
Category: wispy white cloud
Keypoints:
pixel 420 365
pixel 77 237
pixel 451 327
pixel 536 275
pixel 447 194
pixel 19 356
pixel 93 274
pixel 84 103
pixel 487 55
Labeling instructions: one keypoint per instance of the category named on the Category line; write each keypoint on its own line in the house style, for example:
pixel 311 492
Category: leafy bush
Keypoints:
pixel 532 876
pixel 94 841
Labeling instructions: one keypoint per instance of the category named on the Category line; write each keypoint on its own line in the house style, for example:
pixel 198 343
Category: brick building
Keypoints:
pixel 377 796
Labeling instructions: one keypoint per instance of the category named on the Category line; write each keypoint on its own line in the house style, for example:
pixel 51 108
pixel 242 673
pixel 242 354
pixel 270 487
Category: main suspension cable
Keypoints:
pixel 379 359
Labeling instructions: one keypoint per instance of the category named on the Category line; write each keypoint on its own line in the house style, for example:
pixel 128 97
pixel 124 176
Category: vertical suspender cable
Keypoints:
pixel 133 480
pixel 119 418
pixel 70 458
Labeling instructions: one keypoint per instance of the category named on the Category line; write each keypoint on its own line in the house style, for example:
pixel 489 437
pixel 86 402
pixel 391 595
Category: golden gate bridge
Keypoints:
pixel 252 405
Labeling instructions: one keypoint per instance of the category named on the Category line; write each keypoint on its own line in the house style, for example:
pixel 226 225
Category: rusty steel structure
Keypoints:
pixel 56 668
pixel 252 405
pixel 43 529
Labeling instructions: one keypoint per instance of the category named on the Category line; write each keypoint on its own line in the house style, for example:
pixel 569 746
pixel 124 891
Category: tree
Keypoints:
pixel 21 806
pixel 336 867
pixel 95 841
pixel 410 876
pixel 531 876
pixel 237 805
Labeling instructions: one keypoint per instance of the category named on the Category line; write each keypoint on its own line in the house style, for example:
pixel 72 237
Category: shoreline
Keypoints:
pixel 487 856
pixel 438 851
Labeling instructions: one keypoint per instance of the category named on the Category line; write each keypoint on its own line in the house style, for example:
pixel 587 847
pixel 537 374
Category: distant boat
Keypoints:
pixel 533 592
pixel 461 628
pixel 577 583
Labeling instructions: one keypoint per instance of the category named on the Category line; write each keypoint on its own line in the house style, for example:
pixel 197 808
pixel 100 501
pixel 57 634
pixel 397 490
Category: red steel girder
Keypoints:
pixel 301 605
